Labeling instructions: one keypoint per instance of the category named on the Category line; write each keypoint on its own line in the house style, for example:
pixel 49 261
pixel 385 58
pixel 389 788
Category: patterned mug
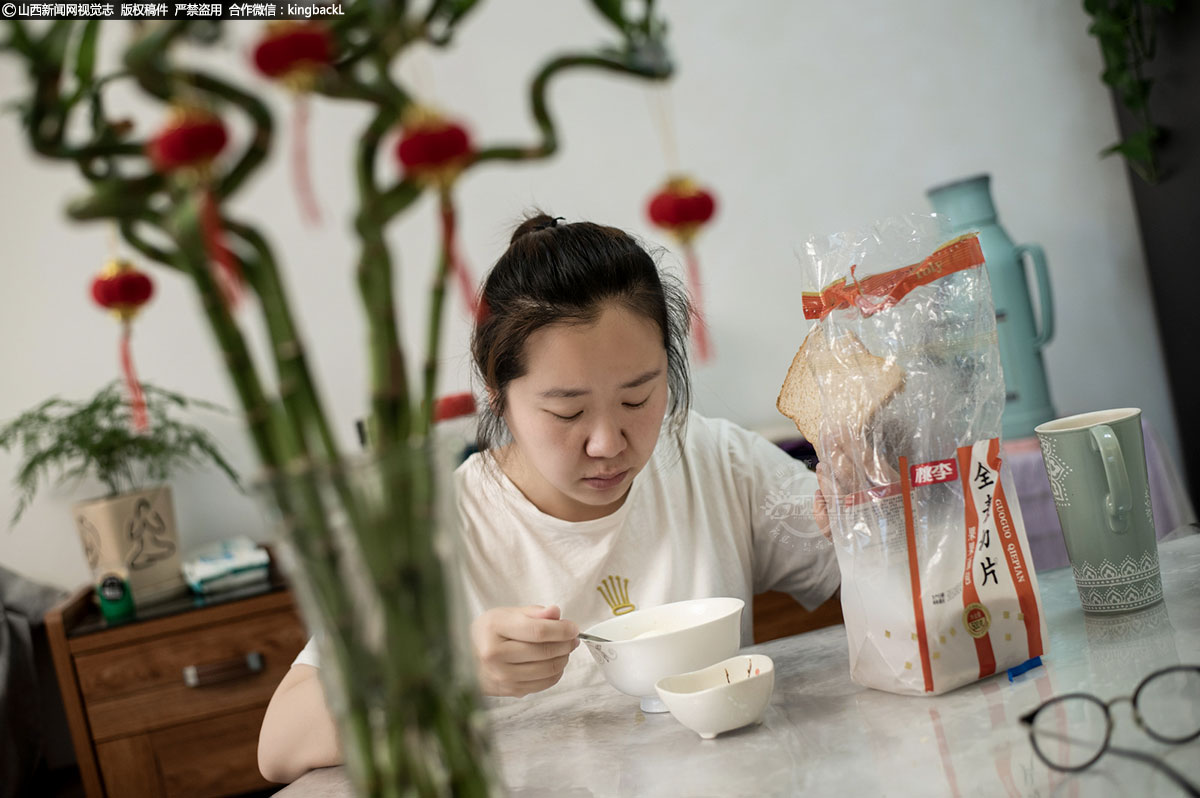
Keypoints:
pixel 1097 468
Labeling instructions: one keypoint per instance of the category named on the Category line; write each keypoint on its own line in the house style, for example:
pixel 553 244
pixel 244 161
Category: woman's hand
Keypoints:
pixel 521 650
pixel 843 470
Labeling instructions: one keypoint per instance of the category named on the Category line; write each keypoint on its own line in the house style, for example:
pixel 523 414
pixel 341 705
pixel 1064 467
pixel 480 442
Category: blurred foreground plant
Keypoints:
pixel 369 576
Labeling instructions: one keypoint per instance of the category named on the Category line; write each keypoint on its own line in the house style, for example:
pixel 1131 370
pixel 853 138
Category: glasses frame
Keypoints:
pixel 1028 720
pixel 1137 715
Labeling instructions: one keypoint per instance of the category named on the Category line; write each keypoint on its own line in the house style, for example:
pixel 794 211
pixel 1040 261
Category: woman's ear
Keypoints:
pixel 495 405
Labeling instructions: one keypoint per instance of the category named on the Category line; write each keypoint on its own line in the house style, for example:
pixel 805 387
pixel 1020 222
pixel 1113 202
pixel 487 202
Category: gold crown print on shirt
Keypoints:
pixel 615 590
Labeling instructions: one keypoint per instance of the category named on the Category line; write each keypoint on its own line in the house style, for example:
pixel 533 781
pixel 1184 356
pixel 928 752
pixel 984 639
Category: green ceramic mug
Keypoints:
pixel 1097 468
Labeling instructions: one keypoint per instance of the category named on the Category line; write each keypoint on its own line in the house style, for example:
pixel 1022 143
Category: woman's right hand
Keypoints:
pixel 521 650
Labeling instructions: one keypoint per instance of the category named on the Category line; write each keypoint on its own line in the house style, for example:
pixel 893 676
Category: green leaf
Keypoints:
pixel 1107 24
pixel 204 31
pixel 85 57
pixel 1126 83
pixel 1116 57
pixel 1112 76
pixel 1133 101
pixel 19 39
pixel 613 10
pixel 1135 93
pixel 1136 147
pixel 1114 50
pixel 457 9
pixel 53 45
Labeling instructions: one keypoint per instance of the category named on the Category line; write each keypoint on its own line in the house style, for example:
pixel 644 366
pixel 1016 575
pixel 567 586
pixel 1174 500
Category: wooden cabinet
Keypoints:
pixel 170 705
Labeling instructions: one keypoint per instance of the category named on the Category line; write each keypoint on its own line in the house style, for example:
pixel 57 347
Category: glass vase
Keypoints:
pixel 368 548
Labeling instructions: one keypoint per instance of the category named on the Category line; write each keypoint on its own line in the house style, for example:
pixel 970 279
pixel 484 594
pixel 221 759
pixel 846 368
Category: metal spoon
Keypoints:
pixel 593 638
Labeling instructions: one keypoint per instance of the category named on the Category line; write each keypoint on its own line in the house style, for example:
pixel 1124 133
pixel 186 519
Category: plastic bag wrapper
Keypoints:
pixel 938 586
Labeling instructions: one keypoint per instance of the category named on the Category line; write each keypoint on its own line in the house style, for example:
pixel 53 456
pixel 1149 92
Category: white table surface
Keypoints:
pixel 824 735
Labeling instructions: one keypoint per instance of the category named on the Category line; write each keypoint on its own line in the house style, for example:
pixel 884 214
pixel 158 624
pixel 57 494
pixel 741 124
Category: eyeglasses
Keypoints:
pixel 1070 732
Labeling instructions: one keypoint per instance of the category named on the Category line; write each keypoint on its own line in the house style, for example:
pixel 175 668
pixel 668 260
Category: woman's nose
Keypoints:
pixel 605 440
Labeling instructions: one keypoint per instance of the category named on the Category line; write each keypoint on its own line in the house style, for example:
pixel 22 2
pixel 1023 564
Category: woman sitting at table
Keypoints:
pixel 597 491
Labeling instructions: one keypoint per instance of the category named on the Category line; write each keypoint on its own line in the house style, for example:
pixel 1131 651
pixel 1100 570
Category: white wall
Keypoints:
pixel 806 118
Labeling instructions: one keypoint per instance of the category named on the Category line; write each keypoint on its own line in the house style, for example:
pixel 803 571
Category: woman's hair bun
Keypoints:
pixel 534 224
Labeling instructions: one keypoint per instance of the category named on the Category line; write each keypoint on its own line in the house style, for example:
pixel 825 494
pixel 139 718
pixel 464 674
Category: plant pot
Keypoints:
pixel 134 537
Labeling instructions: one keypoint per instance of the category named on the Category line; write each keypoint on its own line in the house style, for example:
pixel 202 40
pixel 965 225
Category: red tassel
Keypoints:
pixel 300 171
pixel 228 273
pixel 699 326
pixel 457 267
pixel 137 399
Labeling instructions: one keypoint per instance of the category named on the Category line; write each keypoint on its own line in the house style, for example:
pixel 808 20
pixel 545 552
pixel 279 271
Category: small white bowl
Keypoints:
pixel 664 640
pixel 721 697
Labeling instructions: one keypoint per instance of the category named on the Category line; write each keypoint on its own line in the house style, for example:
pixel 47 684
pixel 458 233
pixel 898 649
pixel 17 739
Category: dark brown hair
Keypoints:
pixel 563 274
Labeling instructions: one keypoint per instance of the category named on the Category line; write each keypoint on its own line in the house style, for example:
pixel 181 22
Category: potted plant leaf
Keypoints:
pixel 131 529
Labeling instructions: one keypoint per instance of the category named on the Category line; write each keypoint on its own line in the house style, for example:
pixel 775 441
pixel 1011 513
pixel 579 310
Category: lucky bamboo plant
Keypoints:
pixel 363 537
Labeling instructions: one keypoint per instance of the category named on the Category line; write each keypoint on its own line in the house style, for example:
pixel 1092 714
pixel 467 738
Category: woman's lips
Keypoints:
pixel 604 483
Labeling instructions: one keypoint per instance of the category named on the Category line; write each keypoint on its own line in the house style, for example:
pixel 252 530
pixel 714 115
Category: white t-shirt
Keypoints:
pixel 729 514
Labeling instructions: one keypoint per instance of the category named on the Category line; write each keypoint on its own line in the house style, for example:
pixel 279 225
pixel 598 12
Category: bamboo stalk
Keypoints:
pixel 260 143
pixel 409 727
pixel 275 450
pixel 285 336
pixel 395 200
pixel 146 57
pixel 540 108
pixel 295 374
pixel 129 231
pixel 437 301
pixel 310 533
pixel 389 379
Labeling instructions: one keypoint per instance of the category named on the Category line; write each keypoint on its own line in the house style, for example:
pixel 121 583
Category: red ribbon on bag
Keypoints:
pixel 890 287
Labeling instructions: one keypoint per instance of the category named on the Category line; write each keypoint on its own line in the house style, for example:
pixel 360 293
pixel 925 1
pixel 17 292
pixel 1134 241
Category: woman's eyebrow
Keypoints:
pixel 572 393
pixel 642 379
pixel 563 393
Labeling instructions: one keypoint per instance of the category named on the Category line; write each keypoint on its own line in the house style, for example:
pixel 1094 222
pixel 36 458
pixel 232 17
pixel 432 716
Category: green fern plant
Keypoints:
pixel 97 437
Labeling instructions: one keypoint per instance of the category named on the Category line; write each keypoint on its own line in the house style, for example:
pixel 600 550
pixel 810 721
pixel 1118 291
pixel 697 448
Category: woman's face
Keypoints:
pixel 586 415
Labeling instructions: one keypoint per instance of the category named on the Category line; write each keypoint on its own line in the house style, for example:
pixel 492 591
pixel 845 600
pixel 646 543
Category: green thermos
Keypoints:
pixel 968 205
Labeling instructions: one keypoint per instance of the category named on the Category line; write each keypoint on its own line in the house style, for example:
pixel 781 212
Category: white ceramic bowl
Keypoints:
pixel 664 640
pixel 721 697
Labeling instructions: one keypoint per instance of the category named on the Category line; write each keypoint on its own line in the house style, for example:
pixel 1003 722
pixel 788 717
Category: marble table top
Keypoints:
pixel 823 734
